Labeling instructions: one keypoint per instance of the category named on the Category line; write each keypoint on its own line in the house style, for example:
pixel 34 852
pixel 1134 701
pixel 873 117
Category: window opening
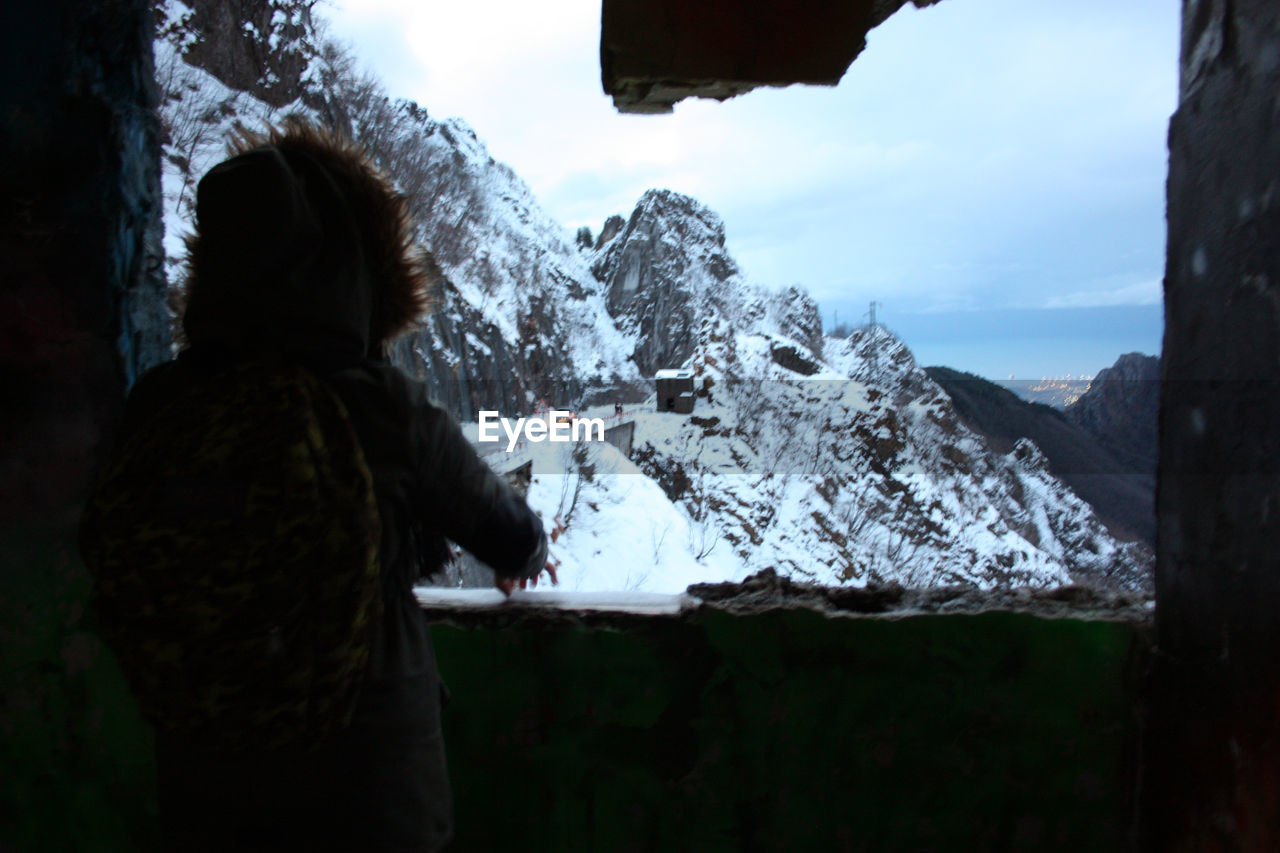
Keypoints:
pixel 676 411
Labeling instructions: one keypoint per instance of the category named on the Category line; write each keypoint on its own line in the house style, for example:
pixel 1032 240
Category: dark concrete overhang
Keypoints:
pixel 654 53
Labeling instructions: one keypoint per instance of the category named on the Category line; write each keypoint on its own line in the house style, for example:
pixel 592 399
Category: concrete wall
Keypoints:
pixel 622 437
pixel 792 730
pixel 80 315
pixel 785 729
pixel 653 53
pixel 1214 766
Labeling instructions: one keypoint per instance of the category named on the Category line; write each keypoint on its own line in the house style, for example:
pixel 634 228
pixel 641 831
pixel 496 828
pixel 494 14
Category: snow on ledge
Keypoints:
pixel 646 603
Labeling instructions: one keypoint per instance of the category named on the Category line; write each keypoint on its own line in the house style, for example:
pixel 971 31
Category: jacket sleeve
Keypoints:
pixel 472 505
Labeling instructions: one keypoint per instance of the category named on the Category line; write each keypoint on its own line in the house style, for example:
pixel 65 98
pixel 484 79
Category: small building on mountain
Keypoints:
pixel 675 390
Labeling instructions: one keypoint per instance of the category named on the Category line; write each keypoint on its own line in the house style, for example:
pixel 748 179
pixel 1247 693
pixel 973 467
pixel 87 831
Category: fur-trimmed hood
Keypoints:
pixel 301 245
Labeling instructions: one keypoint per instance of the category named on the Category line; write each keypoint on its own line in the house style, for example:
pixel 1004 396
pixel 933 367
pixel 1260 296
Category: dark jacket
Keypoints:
pixel 303 251
pixel 430 485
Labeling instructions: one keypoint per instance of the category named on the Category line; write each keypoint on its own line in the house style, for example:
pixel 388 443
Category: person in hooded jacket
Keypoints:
pixel 303 249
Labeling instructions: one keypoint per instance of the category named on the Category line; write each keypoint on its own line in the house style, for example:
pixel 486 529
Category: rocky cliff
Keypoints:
pixel 661 273
pixel 666 271
pixel 519 317
pixel 1121 410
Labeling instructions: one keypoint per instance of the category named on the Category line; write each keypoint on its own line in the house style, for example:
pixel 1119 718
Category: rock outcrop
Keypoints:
pixel 264 49
pixel 799 318
pixel 1121 410
pixel 660 272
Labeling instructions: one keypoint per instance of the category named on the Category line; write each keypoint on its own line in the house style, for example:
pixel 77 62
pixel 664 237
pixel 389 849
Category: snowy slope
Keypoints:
pixel 199 113
pixel 519 303
pixel 624 533
pixel 831 460
pixel 869 478
pixel 827 478
pixel 507 258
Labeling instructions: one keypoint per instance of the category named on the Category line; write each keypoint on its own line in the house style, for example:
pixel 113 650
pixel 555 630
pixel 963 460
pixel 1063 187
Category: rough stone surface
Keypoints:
pixel 799 318
pixel 228 39
pixel 653 54
pixel 79 265
pixel 790 358
pixel 766 590
pixel 785 729
pixel 611 228
pixel 1214 759
pixel 466 361
pixel 1219 569
pixel 79 295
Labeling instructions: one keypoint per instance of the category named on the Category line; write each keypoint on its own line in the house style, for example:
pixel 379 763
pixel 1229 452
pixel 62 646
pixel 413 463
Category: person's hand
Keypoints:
pixel 510 585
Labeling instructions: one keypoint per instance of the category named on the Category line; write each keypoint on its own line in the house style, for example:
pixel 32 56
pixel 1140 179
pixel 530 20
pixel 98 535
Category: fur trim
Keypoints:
pixel 402 271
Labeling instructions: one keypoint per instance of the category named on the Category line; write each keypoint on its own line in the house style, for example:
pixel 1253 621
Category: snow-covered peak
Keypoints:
pixel 873 354
pixel 669 212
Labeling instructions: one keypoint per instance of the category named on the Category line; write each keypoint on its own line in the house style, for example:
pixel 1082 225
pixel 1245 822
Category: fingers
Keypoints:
pixel 550 569
pixel 510 585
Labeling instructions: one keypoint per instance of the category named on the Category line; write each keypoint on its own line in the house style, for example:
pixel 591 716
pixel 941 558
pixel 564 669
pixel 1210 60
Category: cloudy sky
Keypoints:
pixel 990 171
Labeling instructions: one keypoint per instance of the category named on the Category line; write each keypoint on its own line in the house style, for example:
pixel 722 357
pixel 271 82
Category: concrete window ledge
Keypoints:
pixel 766 591
pixel 641 603
pixel 774 715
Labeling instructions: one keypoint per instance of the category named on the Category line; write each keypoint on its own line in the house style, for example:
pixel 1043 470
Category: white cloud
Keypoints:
pixel 1137 293
pixel 991 152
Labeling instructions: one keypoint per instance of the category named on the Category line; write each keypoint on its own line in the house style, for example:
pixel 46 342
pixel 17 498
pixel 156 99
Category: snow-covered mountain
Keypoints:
pixel 836 460
pixel 1120 491
pixel 516 317
pixel 521 317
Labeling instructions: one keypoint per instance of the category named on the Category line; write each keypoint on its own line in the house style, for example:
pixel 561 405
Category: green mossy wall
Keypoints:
pixel 792 730
pixel 785 730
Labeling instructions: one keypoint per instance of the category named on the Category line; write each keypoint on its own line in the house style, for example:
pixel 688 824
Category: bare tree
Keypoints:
pixel 704 529
pixel 656 540
pixel 576 472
